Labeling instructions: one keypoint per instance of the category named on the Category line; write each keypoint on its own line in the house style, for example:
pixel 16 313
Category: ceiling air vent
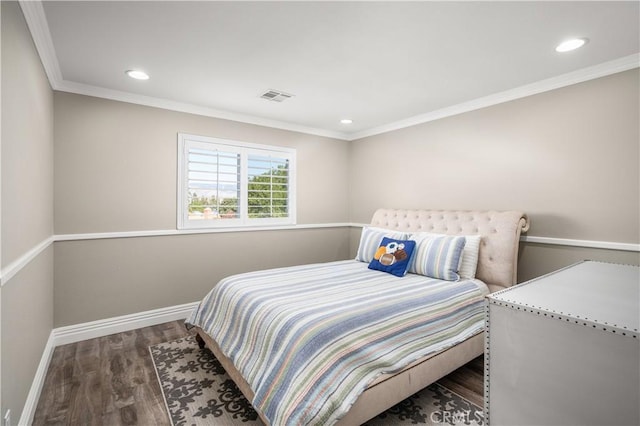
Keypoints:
pixel 275 95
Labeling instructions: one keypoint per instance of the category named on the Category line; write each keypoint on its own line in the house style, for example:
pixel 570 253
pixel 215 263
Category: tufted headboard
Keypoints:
pixel 500 230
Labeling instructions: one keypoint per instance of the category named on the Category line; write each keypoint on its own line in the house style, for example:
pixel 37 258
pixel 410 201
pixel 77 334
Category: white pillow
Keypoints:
pixel 370 241
pixel 469 261
pixel 470 252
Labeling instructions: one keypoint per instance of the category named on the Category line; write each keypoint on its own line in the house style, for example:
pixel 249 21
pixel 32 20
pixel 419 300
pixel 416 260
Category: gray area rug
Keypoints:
pixel 198 391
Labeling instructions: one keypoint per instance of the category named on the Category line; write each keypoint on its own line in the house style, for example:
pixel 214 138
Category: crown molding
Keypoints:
pixel 39 28
pixel 134 98
pixel 37 23
pixel 601 70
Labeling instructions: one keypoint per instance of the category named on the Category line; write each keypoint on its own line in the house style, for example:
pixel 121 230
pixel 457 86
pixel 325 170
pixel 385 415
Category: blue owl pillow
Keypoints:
pixel 393 256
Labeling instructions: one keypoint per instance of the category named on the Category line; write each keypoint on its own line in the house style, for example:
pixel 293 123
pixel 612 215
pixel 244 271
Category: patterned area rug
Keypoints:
pixel 198 391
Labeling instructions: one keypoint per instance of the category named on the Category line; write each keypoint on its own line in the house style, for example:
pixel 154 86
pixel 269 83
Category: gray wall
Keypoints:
pixel 115 170
pixel 568 158
pixel 111 277
pixel 27 208
pixel 116 165
pixel 539 259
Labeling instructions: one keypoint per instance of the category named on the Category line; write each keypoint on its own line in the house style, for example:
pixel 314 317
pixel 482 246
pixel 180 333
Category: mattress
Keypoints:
pixel 309 339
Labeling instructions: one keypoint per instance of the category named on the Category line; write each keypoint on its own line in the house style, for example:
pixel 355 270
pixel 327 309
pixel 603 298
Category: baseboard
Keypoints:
pixel 89 330
pixel 30 405
pixel 93 329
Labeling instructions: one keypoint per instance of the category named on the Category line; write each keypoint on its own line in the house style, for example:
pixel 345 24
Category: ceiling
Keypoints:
pixel 385 65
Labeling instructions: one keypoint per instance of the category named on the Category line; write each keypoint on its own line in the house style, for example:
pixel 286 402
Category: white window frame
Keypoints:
pixel 244 149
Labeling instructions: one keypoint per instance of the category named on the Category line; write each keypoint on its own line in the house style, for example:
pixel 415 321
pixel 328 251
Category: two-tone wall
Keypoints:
pixel 89 189
pixel 569 158
pixel 116 171
pixel 98 177
pixel 27 210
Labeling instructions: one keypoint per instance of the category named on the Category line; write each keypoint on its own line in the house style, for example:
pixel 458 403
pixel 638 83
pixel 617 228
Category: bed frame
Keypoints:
pixel 497 267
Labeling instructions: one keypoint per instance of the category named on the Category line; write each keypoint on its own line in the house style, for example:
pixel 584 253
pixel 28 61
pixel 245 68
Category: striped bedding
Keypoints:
pixel 309 339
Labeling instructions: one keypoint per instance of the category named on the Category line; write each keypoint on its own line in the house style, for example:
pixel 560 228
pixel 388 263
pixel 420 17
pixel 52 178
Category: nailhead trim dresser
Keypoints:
pixel 564 349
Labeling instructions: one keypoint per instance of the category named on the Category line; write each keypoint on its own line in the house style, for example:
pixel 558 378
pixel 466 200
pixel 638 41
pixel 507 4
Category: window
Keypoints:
pixel 224 183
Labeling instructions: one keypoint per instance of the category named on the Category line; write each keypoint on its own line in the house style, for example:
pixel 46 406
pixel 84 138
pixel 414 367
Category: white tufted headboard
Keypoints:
pixel 500 230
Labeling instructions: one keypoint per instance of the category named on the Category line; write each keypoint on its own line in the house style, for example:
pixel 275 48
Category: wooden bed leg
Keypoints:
pixel 200 341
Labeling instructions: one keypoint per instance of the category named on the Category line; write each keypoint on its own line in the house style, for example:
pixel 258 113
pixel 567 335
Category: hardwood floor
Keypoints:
pixel 111 380
pixel 468 381
pixel 106 381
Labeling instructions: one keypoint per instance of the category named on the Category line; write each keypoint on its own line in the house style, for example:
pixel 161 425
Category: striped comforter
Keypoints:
pixel 309 339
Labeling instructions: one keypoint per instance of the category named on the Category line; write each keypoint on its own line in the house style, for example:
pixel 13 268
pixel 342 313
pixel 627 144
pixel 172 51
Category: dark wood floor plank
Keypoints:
pixel 111 381
pixel 468 381
pixel 106 381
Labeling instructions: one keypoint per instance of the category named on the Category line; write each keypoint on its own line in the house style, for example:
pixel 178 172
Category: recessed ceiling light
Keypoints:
pixel 573 44
pixel 346 121
pixel 137 74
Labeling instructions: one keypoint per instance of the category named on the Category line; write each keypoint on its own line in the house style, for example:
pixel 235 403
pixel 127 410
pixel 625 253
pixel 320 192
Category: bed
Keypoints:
pixel 253 327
